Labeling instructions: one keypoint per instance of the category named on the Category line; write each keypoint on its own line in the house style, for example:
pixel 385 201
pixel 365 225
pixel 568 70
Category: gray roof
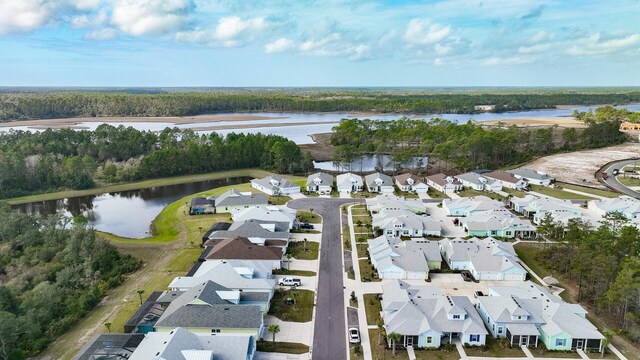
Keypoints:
pixel 486 255
pixel 253 229
pixel 407 219
pixel 530 174
pixel 200 201
pixel 202 307
pixel 385 180
pixel 348 179
pixel 474 178
pixel 283 183
pixel 234 197
pixel 325 179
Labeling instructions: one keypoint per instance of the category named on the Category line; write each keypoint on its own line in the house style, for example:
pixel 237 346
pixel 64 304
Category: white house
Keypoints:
pixel 349 183
pixel 467 206
pixel 411 183
pixel 626 205
pixel 497 223
pixel 275 185
pixel 320 183
pixel 538 207
pixel 479 182
pixel 486 259
pixel 532 176
pixel 425 317
pixel 379 183
pixel 271 213
pixel 396 259
pixel 407 224
pixel 443 183
pixel 386 203
pixel 507 180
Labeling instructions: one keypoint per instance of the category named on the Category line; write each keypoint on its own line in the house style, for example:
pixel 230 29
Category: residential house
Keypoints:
pixel 528 314
pixel 485 259
pixel 386 203
pixel 201 205
pixel 405 223
pixel 181 344
pixel 269 213
pixel 626 205
pixel 425 317
pixel 275 185
pixel 538 207
pixel 507 180
pixel 498 223
pixel 257 231
pixel 234 200
pixel 320 183
pixel 241 248
pixel 349 183
pixel 532 176
pixel 105 346
pixel 411 183
pixel 444 183
pixel 467 206
pixel 213 309
pixel 478 182
pixel 396 259
pixel 379 183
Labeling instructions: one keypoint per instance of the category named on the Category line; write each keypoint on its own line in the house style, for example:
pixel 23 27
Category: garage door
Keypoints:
pixel 416 275
pixel 514 276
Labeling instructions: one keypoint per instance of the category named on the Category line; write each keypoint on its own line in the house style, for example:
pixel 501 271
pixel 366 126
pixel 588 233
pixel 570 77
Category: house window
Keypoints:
pixel 429 339
pixel 500 329
pixel 456 317
pixel 474 338
pixel 561 342
pixel 508 233
pixel 215 331
pixel 493 232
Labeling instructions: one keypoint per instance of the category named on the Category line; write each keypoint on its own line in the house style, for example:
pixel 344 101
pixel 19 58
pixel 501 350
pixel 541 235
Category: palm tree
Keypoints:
pixel 140 292
pixel 294 296
pixel 289 257
pixel 108 326
pixel 394 337
pixel 273 329
pixel 380 324
pixel 305 244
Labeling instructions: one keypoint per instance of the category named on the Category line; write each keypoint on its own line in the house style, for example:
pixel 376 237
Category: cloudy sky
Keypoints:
pixel 319 43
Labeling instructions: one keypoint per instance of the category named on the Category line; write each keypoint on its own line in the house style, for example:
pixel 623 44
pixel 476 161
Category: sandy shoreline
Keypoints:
pixel 524 122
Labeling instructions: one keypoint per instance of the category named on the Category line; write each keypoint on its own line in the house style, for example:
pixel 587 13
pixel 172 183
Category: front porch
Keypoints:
pixel 522 334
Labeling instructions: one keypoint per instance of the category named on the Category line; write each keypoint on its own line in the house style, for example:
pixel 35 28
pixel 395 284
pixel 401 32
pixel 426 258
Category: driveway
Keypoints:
pixel 613 183
pixel 329 335
pixel 452 284
pixel 440 215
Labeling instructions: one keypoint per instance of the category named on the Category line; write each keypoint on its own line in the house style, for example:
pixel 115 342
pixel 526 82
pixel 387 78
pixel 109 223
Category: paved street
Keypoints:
pixel 330 338
pixel 614 183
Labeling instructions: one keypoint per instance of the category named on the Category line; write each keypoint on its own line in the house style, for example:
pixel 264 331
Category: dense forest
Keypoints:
pixel 51 274
pixel 606 113
pixel 45 105
pixel 468 146
pixel 54 159
pixel 605 265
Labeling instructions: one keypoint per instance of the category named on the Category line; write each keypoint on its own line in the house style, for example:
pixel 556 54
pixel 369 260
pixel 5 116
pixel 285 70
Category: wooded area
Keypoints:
pixel 606 113
pixel 605 265
pixel 51 274
pixel 65 158
pixel 468 146
pixel 59 104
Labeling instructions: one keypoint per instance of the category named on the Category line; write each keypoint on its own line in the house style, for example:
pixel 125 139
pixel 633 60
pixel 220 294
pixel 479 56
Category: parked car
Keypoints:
pixel 289 281
pixel 306 226
pixel 605 176
pixel 478 293
pixel 466 276
pixel 616 171
pixel 354 335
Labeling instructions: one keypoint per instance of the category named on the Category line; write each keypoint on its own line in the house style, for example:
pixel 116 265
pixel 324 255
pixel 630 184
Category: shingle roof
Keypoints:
pixel 441 179
pixel 283 183
pixel 243 249
pixel 402 179
pixel 234 197
pixel 530 174
pixel 502 175
pixel 253 229
pixel 384 179
pixel 324 178
pixel 348 179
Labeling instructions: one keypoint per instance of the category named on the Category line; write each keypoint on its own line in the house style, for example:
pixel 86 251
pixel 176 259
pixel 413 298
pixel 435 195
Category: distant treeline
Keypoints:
pixel 55 159
pixel 469 146
pixel 46 105
pixel 607 113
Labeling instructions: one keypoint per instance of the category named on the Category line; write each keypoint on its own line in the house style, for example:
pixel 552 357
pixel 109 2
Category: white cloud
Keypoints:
pixel 102 34
pixel 279 46
pixel 534 49
pixel 24 15
pixel 595 45
pixel 80 22
pixel 85 4
pixel 425 32
pixel 512 60
pixel 230 31
pixel 542 36
pixel 150 17
pixel 334 45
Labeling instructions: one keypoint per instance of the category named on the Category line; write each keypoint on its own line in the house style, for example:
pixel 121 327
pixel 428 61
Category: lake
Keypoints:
pixel 125 213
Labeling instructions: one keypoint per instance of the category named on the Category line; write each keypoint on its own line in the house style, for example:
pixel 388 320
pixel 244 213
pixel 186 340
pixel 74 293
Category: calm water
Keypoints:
pixel 125 213
pixel 300 133
pixel 368 163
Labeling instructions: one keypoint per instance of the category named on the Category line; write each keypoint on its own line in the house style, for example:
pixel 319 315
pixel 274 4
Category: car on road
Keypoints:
pixel 616 171
pixel 306 226
pixel 289 281
pixel 605 176
pixel 466 276
pixel 354 335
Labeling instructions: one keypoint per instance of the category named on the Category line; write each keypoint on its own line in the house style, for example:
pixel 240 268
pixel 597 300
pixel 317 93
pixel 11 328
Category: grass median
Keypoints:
pixel 288 307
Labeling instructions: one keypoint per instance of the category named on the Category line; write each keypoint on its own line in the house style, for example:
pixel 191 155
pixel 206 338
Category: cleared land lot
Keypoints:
pixel 579 167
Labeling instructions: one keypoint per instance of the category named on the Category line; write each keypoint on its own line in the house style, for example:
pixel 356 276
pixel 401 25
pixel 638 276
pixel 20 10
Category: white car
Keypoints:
pixel 354 335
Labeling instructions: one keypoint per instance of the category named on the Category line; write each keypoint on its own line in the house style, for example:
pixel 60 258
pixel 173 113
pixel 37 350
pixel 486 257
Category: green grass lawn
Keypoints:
pixel 467 192
pixel 367 271
pixel 278 200
pixel 405 194
pixel 494 348
pixel 296 248
pixel 302 311
pixel 628 181
pixel 362 195
pixel 359 211
pixel 281 347
pixel 559 194
pixel 308 217
pixel 588 190
pixel 435 194
pixel 514 192
pixel 362 250
pixel 540 351
pixel 294 272
pixel 372 308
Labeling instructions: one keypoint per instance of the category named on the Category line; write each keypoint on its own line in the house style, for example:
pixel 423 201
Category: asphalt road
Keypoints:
pixel 329 336
pixel 614 183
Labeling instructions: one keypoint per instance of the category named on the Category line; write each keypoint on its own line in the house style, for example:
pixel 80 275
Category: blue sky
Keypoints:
pixel 319 43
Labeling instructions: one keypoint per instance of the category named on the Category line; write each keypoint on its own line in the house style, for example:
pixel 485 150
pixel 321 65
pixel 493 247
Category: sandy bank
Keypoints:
pixel 523 122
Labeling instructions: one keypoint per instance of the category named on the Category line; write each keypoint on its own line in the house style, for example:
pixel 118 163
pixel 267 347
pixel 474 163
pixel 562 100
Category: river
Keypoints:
pixel 125 213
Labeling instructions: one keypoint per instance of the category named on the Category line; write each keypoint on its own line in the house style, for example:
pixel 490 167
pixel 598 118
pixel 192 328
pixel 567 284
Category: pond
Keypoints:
pixel 125 213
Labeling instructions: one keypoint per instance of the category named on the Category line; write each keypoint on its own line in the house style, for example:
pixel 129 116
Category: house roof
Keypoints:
pixel 530 174
pixel 269 213
pixel 234 197
pixel 323 178
pixel 486 255
pixel 254 229
pixel 348 179
pixel 496 220
pixel 390 202
pixel 232 274
pixel 473 204
pixel 411 255
pixel 383 179
pixel 502 176
pixel 537 204
pixel 269 181
pixel 474 178
pixel 441 179
pixel 407 220
pixel 625 204
pixel 402 179
pixel 243 249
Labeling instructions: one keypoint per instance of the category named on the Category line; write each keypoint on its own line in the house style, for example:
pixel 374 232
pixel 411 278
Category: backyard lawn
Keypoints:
pixel 559 194
pixel 299 311
pixel 296 248
pixel 372 308
pixel 471 192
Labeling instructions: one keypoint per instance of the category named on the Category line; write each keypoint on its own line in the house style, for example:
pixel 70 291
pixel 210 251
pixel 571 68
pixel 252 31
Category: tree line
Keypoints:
pixel 65 158
pixel 468 146
pixel 607 113
pixel 57 104
pixel 604 263
pixel 51 274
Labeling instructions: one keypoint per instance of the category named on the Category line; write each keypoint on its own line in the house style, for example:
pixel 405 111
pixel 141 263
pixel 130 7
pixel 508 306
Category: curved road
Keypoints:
pixel 329 333
pixel 613 182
